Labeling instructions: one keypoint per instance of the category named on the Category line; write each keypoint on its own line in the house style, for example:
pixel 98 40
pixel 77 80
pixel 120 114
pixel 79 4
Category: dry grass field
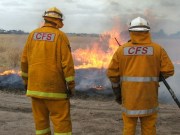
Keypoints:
pixel 10 50
pixel 11 46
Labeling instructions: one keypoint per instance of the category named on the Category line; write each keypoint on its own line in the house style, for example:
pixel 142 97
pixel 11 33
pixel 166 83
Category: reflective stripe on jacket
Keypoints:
pixel 139 79
pixel 47 63
pixel 136 65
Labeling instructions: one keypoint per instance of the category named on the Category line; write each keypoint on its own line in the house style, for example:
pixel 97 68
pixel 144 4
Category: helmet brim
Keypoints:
pixel 139 28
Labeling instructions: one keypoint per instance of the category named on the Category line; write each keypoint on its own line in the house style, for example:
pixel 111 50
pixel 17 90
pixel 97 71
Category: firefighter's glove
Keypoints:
pixel 25 86
pixel 70 93
pixel 160 78
pixel 117 94
pixel 71 89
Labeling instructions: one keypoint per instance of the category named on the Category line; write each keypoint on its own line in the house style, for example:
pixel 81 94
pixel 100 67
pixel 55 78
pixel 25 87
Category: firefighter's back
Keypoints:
pixel 45 73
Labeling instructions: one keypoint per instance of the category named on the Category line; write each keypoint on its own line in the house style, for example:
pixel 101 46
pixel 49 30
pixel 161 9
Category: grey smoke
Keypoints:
pixel 11 82
pixel 98 15
pixel 174 84
pixel 90 80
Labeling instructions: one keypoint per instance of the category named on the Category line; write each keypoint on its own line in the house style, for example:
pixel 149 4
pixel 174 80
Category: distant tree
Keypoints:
pixel 159 34
pixel 2 31
pixel 175 35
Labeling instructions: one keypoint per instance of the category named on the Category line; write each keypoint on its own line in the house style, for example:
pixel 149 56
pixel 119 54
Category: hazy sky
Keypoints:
pixel 91 16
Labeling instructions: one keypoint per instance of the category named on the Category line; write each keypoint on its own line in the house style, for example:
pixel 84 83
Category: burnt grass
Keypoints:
pixel 91 83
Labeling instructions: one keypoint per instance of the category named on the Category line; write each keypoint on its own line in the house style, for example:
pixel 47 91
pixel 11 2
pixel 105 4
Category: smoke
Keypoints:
pixel 172 48
pixel 159 13
pixel 91 78
pixel 173 81
pixel 91 16
pixel 11 82
pixel 93 81
pixel 88 79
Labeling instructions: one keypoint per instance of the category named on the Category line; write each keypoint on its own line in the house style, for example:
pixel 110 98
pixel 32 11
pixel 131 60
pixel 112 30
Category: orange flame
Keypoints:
pixel 98 56
pixel 8 72
pixel 176 62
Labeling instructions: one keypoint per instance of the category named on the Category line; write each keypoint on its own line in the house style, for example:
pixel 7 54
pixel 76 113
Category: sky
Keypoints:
pixel 91 16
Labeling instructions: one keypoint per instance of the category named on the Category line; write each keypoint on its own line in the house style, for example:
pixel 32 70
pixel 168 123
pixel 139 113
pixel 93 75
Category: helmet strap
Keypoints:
pixel 56 22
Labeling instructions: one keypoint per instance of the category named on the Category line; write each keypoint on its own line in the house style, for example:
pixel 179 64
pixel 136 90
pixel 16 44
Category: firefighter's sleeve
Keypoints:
pixel 67 63
pixel 166 68
pixel 113 71
pixel 24 63
pixel 114 77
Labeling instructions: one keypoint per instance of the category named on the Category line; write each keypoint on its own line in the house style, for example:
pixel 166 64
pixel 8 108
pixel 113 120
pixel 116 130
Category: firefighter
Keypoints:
pixel 48 73
pixel 134 73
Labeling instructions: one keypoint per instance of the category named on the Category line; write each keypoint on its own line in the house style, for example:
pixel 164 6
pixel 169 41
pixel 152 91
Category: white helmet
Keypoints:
pixel 139 24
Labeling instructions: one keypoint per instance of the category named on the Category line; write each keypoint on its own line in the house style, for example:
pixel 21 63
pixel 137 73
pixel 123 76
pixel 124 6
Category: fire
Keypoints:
pixel 8 72
pixel 41 24
pixel 100 53
pixel 98 87
pixel 176 62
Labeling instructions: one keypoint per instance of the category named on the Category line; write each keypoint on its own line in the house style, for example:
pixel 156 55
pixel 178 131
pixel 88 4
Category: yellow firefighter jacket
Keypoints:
pixel 136 66
pixel 47 63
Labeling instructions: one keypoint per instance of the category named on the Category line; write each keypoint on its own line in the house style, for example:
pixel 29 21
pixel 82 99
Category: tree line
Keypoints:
pixel 2 31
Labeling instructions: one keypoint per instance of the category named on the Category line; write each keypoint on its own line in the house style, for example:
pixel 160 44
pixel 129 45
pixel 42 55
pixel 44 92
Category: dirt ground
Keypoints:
pixel 90 116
